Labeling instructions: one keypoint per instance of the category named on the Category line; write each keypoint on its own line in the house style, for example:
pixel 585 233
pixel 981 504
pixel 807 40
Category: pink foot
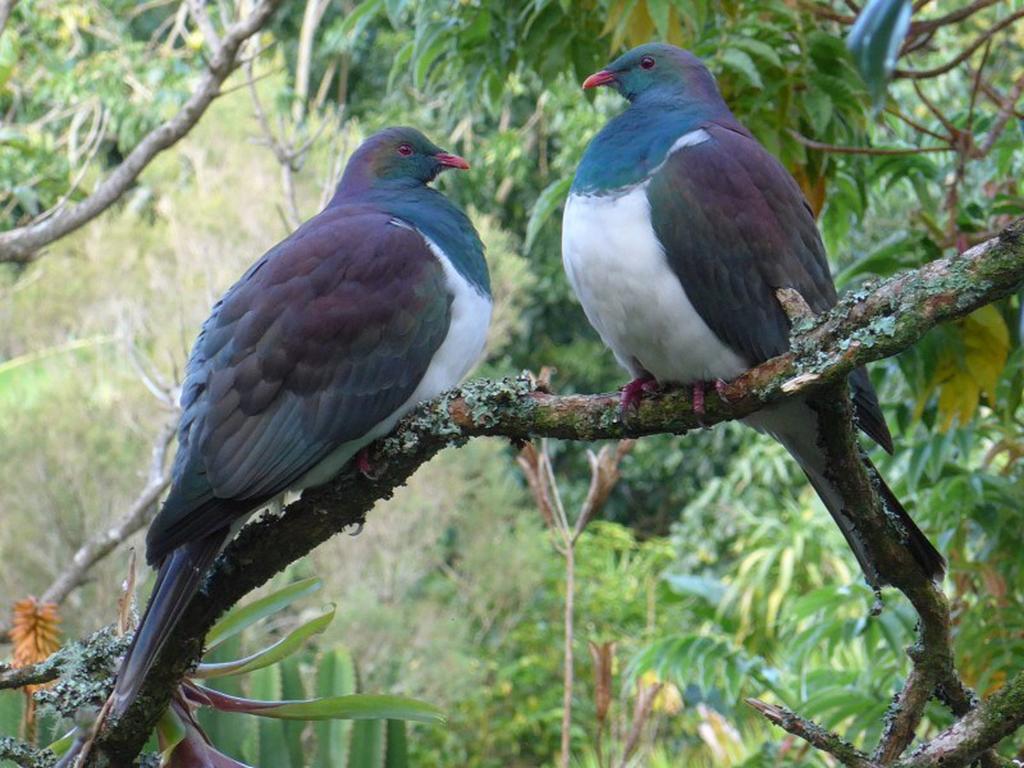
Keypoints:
pixel 698 398
pixel 633 392
pixel 364 465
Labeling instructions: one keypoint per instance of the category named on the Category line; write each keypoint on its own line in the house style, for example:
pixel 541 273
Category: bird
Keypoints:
pixel 379 302
pixel 678 230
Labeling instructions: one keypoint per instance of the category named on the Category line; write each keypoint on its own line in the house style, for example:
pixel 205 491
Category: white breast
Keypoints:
pixel 617 267
pixel 458 353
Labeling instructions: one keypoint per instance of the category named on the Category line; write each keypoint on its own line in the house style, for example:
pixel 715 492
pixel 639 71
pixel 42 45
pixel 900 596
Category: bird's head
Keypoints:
pixel 657 68
pixel 399 155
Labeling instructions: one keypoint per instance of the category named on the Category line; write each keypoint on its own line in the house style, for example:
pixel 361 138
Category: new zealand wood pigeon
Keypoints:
pixel 379 302
pixel 678 230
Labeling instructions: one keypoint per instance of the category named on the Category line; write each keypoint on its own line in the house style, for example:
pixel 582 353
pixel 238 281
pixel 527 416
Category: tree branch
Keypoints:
pixel 921 74
pixel 22 244
pixel 868 325
pixel 6 7
pixel 108 539
pixel 964 741
pixel 929 25
pixel 814 734
pixel 137 515
pixel 845 149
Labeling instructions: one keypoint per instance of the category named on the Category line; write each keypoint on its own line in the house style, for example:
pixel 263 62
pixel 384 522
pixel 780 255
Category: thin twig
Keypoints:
pixel 198 10
pixel 94 145
pixel 916 125
pixel 921 74
pixel 641 711
pixel 813 734
pixel 23 244
pixel 950 128
pixel 953 17
pixel 841 149
pixel 134 519
pixel 1006 110
pixel 6 7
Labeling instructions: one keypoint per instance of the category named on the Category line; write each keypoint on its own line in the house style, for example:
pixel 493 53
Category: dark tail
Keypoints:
pixel 927 556
pixel 794 424
pixel 178 579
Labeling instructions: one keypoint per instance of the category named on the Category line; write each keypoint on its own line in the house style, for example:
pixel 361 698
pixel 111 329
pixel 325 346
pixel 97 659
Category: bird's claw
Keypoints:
pixel 365 466
pixel 722 388
pixel 698 398
pixel 634 391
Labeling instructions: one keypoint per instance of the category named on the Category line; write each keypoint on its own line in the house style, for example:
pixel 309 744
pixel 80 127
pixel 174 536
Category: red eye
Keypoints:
pixel 404 150
pixel 647 62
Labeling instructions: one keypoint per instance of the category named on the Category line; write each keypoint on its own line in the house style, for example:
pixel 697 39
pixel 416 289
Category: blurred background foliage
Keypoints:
pixel 715 574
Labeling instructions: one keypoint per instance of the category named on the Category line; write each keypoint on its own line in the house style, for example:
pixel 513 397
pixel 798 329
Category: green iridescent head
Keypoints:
pixel 398 155
pixel 654 69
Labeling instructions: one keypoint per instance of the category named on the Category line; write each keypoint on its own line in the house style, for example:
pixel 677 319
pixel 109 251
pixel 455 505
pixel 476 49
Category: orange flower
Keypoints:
pixel 35 637
pixel 34 632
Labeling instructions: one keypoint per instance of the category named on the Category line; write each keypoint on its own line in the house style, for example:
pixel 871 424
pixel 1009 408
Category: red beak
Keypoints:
pixel 604 77
pixel 451 161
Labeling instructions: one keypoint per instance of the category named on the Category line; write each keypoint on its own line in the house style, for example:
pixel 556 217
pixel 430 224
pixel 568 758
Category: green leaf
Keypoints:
pixel 397 745
pixel 273 749
pixel 819 110
pixel 238 619
pixel 367 749
pixel 427 51
pixel 335 676
pixel 225 730
pixel 875 42
pixel 394 11
pixel 292 688
pixel 740 62
pixel 358 706
pixel 711 590
pixel 271 654
pixel 547 203
pixel 11 705
pixel 362 15
pixel 758 49
pixel 63 744
pixel 658 10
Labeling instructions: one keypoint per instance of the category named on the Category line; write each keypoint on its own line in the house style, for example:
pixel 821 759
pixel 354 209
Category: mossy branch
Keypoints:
pixel 870 324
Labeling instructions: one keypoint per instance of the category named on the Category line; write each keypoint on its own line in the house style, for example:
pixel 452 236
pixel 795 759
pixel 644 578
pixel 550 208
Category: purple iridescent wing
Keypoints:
pixel 321 340
pixel 735 227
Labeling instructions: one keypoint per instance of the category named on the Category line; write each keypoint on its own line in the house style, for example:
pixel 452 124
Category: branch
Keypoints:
pixel 866 326
pixel 843 149
pixel 964 741
pixel 814 734
pixel 6 6
pixel 1007 109
pixel 138 514
pixel 107 540
pixel 921 74
pixel 22 244
pixel 928 25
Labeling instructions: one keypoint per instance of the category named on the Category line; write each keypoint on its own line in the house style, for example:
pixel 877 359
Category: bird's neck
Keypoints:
pixel 434 216
pixel 633 145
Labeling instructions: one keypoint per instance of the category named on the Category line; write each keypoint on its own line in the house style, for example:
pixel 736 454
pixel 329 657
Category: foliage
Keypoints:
pixel 68 101
pixel 716 572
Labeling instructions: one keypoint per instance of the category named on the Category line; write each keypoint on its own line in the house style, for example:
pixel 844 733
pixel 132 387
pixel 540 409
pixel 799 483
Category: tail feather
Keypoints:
pixel 924 552
pixel 177 581
pixel 794 424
